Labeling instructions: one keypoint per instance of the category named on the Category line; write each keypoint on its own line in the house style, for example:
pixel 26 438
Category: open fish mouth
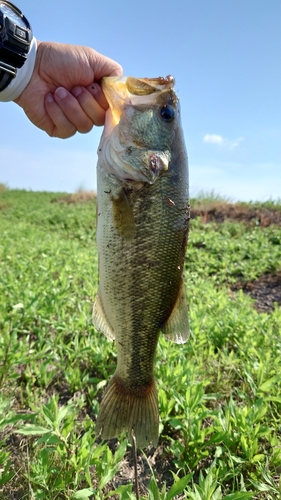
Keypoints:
pixel 120 91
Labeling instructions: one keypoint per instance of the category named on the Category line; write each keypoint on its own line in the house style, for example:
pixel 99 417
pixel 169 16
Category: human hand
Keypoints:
pixel 62 96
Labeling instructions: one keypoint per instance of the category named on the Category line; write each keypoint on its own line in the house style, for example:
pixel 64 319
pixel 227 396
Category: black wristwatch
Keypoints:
pixel 15 41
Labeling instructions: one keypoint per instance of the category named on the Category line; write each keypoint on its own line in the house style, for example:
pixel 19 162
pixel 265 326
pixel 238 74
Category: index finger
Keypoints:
pixel 104 66
pixel 97 93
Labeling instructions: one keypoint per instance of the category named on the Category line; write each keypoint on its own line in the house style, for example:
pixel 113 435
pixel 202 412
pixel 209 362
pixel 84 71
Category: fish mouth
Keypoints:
pixel 120 91
pixel 147 86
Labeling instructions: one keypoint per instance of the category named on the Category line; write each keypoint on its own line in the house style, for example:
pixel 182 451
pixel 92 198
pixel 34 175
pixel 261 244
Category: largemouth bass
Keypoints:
pixel 142 228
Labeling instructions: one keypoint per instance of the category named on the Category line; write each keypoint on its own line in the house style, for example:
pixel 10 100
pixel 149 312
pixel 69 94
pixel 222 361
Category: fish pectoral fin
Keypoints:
pixel 176 328
pixel 100 320
pixel 123 216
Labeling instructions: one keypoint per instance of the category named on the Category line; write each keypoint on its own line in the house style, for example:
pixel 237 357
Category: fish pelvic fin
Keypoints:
pixel 124 409
pixel 100 320
pixel 123 216
pixel 176 328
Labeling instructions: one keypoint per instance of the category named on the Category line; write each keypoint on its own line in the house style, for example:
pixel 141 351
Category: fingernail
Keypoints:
pixel 49 98
pixel 76 91
pixel 61 93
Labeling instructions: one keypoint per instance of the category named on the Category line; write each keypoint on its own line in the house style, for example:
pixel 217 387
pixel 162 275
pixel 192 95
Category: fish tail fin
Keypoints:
pixel 126 409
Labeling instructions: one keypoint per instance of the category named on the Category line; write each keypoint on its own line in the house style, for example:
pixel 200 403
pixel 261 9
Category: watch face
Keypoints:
pixel 11 14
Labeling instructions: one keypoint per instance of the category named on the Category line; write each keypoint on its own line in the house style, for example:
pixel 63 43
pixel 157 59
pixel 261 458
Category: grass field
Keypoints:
pixel 219 395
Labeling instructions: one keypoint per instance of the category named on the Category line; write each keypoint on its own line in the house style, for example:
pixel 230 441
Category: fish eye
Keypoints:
pixel 167 113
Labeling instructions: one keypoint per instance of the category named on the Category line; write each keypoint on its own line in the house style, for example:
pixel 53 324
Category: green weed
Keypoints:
pixel 219 394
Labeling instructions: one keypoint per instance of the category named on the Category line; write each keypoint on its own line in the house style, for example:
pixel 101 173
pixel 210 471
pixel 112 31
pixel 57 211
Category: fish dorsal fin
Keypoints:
pixel 100 320
pixel 123 216
pixel 176 328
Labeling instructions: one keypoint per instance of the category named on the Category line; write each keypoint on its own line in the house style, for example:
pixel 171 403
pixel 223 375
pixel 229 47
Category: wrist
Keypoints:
pixel 22 78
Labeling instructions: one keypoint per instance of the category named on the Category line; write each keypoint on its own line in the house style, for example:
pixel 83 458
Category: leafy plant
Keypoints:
pixel 219 394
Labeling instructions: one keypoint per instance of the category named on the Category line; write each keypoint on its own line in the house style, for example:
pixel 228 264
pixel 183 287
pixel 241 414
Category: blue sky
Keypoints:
pixel 225 56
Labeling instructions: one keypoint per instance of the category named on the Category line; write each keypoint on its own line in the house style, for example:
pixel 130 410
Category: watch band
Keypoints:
pixel 7 73
pixel 22 78
pixel 17 51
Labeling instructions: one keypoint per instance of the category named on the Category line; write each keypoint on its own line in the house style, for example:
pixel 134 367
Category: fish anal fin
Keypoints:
pixel 124 409
pixel 176 328
pixel 124 221
pixel 100 320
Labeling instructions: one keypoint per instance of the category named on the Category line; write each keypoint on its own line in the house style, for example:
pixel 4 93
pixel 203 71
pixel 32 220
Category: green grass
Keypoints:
pixel 219 395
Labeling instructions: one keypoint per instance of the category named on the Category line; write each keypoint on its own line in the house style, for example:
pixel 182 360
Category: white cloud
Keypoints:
pixel 222 141
pixel 214 138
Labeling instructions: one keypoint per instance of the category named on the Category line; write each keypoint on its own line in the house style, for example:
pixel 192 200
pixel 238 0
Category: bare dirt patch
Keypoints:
pixel 220 211
pixel 157 459
pixel 266 291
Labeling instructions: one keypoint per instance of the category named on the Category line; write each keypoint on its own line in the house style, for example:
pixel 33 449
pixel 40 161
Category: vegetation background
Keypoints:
pixel 219 395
